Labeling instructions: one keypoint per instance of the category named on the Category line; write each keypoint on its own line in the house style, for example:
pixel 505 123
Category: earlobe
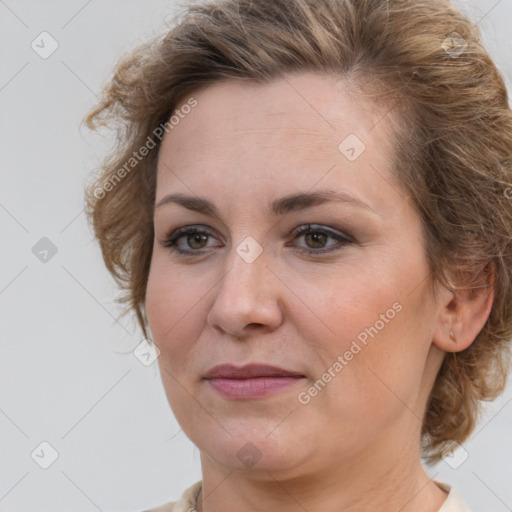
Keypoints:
pixel 463 314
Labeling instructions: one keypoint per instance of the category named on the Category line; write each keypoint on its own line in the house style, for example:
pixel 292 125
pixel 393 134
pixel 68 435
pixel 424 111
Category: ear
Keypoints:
pixel 463 313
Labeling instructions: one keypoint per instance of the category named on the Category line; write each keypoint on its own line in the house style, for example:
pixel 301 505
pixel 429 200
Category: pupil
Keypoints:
pixel 317 239
pixel 197 238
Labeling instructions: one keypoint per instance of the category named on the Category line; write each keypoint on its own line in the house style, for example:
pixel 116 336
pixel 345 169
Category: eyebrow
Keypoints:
pixel 281 206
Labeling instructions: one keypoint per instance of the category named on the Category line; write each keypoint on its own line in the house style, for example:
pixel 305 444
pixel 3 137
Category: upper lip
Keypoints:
pixel 229 371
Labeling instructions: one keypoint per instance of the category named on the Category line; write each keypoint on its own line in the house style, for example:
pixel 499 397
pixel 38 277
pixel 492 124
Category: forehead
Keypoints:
pixel 291 131
pixel 314 103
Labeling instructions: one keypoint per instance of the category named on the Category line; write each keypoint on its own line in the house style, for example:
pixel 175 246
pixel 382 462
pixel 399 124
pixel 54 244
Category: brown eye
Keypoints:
pixel 191 240
pixel 320 240
pixel 316 240
pixel 197 241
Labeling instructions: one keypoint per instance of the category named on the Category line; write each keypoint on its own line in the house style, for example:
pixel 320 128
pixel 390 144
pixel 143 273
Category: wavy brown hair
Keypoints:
pixel 452 147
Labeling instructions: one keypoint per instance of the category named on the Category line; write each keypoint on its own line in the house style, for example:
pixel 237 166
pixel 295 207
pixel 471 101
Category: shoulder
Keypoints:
pixel 454 501
pixel 184 504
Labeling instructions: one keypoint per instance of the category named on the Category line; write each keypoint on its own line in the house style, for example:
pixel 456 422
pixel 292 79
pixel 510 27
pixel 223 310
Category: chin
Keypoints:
pixel 254 447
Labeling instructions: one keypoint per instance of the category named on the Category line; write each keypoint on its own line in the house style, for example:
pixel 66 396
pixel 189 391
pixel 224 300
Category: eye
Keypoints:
pixel 317 237
pixel 195 239
pixel 188 239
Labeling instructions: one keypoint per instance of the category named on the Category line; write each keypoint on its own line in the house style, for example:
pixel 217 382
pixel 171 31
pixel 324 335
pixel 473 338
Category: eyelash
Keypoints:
pixel 170 242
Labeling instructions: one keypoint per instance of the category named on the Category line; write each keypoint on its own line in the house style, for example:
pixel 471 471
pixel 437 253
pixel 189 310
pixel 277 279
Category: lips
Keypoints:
pixel 251 381
pixel 250 371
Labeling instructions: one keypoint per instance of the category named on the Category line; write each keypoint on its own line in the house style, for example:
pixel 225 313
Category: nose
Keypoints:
pixel 248 298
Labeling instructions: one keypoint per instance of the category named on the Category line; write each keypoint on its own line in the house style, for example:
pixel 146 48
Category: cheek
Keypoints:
pixel 172 307
pixel 371 318
pixel 344 302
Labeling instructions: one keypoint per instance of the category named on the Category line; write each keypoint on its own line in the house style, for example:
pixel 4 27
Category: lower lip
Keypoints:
pixel 251 388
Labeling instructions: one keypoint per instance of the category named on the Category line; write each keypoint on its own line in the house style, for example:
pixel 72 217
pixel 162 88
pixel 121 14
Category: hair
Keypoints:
pixel 452 147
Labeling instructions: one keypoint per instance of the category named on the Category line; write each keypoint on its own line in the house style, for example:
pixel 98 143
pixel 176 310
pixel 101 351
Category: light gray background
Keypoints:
pixel 68 376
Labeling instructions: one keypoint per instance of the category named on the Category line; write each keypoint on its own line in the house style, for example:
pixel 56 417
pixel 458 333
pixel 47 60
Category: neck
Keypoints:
pixel 387 482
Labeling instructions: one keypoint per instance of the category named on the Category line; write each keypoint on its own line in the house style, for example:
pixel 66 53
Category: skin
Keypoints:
pixel 355 445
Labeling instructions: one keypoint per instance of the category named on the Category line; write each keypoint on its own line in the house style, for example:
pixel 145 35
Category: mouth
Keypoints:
pixel 250 381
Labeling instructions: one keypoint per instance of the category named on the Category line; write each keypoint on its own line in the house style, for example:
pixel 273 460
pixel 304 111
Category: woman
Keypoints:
pixel 307 210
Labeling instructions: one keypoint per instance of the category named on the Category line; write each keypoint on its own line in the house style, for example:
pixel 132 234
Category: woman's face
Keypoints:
pixel 305 254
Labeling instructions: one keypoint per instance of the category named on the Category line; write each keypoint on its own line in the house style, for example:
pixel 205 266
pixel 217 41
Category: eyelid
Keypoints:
pixel 304 228
pixel 189 228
